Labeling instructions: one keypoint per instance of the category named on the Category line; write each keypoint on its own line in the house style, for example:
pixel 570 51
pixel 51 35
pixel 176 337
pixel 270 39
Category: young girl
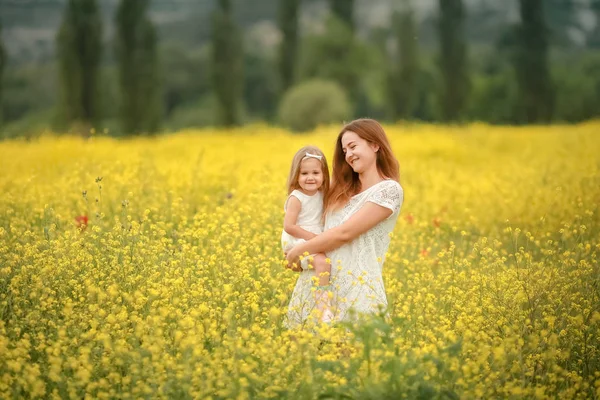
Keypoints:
pixel 308 184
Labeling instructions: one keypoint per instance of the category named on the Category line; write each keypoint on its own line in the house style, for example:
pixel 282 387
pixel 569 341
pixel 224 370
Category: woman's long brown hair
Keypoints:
pixel 345 182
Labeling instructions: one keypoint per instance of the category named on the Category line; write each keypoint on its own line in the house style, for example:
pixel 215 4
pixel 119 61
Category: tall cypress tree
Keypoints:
pixel 453 60
pixel 404 70
pixel 227 64
pixel 344 10
pixel 536 94
pixel 2 64
pixel 288 50
pixel 136 50
pixel 79 45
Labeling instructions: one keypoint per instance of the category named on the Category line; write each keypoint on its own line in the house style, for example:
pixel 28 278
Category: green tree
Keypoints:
pixel 577 79
pixel 344 10
pixel 227 64
pixel 487 19
pixel 28 94
pixel 288 49
pixel 536 92
pixel 79 46
pixel 404 70
pixel 2 63
pixel 494 96
pixel 136 50
pixel 336 55
pixel 187 79
pixel 260 85
pixel 455 83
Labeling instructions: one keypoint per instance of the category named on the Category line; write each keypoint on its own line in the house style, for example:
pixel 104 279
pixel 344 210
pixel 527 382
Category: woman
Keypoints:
pixel 361 211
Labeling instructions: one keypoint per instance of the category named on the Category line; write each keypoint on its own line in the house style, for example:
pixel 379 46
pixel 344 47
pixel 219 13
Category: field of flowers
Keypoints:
pixel 151 268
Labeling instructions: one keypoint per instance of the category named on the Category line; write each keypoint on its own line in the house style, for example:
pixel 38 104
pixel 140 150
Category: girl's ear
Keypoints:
pixel 375 147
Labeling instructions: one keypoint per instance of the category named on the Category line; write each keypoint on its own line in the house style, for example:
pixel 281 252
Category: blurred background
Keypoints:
pixel 123 67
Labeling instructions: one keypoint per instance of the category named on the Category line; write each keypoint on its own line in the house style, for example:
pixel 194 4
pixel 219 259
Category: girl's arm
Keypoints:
pixel 364 219
pixel 293 208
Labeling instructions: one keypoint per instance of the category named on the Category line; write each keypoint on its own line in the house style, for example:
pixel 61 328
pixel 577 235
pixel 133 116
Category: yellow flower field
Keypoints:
pixel 175 287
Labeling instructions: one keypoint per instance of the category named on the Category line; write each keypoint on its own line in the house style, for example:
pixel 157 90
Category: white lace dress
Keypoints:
pixel 356 271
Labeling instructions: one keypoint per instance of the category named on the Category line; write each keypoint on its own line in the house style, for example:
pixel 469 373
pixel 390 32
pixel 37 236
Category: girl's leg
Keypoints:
pixel 322 300
pixel 322 269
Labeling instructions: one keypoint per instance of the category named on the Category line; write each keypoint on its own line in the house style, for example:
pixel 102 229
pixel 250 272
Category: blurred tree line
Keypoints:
pixel 477 69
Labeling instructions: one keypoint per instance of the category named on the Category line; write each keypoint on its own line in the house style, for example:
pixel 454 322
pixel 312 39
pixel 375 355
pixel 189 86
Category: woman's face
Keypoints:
pixel 359 154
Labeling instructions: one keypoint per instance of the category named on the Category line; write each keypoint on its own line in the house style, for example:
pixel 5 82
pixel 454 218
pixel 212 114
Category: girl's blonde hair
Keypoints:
pixel 292 182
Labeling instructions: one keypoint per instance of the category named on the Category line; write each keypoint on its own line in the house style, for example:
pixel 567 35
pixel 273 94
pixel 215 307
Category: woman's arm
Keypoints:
pixel 293 208
pixel 364 219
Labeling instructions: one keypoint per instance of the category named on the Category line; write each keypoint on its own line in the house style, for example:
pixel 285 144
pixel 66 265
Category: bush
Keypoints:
pixel 313 102
pixel 32 125
pixel 577 89
pixel 198 114
pixel 494 97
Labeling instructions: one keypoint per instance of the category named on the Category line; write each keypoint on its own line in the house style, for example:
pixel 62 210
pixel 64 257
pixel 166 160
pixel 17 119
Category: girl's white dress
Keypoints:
pixel 356 270
pixel 309 219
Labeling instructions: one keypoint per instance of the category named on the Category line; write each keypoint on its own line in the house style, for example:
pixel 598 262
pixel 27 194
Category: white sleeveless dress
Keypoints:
pixel 356 271
pixel 309 218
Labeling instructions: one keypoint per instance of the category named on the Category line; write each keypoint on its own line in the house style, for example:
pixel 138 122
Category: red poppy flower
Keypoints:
pixel 82 221
pixel 437 222
pixel 409 218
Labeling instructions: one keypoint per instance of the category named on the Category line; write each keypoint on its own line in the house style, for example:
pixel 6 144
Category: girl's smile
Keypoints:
pixel 310 177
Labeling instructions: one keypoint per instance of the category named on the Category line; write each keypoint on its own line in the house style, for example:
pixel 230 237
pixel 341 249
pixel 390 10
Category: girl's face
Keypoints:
pixel 310 177
pixel 359 154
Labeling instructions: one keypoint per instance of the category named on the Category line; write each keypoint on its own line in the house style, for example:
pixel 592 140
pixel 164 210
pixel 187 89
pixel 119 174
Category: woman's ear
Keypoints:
pixel 375 147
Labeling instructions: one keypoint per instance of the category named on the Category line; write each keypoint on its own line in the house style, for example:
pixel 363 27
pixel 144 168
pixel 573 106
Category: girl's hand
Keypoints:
pixel 295 268
pixel 293 258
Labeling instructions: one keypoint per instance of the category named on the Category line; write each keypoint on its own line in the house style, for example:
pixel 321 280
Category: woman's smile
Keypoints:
pixel 358 152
